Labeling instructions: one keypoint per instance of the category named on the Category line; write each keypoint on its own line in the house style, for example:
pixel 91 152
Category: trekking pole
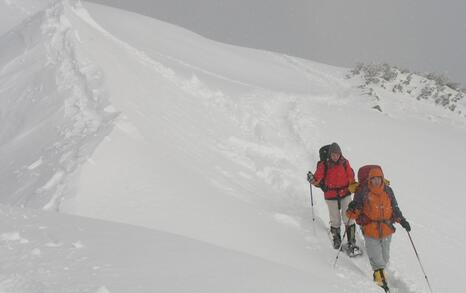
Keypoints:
pixel 341 245
pixel 313 216
pixel 419 260
pixel 310 177
pixel 312 203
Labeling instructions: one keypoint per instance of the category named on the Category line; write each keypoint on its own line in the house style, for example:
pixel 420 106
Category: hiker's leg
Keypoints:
pixel 386 249
pixel 344 206
pixel 334 213
pixel 374 252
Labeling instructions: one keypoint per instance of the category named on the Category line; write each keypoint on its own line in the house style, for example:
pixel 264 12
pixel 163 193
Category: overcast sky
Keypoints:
pixel 421 35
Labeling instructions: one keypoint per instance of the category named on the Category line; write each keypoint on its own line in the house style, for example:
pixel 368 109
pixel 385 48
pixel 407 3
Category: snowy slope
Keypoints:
pixel 112 115
pixel 53 109
pixel 50 252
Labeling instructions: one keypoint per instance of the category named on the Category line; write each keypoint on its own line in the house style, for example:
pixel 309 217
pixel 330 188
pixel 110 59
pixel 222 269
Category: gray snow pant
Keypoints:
pixel 337 215
pixel 378 251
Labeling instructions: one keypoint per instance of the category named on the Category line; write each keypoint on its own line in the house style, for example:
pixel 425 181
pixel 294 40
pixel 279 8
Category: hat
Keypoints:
pixel 376 172
pixel 334 149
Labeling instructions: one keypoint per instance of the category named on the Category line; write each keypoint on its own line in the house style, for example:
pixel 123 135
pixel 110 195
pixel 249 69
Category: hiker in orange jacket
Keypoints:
pixel 376 210
pixel 333 176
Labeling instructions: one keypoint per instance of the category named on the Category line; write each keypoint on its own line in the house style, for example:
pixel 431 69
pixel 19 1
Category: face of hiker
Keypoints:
pixel 335 156
pixel 376 181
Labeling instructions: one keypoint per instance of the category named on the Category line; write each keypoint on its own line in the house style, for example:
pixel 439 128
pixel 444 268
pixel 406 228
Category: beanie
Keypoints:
pixel 334 149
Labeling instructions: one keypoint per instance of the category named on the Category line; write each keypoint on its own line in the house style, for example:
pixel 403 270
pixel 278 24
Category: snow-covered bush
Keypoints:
pixel 433 87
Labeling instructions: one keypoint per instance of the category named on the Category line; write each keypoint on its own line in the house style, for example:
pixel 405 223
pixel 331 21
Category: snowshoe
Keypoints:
pixel 353 250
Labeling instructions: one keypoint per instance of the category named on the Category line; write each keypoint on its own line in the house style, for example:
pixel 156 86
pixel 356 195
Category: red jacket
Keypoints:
pixel 339 176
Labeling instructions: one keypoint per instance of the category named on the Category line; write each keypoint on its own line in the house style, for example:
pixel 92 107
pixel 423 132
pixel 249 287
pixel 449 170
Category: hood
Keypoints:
pixel 375 172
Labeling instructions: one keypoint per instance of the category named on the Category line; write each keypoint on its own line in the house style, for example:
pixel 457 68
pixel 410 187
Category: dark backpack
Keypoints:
pixel 323 153
pixel 324 156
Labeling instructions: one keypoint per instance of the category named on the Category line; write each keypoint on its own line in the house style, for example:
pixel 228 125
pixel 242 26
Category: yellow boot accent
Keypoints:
pixel 379 277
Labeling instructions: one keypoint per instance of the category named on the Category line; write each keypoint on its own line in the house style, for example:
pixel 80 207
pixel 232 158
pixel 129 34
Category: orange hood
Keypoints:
pixel 375 172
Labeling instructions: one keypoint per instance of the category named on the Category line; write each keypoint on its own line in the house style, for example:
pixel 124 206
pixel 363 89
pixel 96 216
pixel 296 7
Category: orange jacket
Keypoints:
pixel 376 207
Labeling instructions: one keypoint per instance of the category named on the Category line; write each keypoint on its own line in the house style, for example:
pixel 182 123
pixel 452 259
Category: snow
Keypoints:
pixel 123 258
pixel 136 156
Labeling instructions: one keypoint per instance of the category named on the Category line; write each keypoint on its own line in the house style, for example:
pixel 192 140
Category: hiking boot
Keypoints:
pixel 351 234
pixel 381 279
pixel 336 237
pixel 353 249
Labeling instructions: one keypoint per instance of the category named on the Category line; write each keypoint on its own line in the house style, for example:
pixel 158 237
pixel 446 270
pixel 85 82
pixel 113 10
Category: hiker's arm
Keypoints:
pixel 355 207
pixel 319 174
pixel 397 214
pixel 349 172
pixel 358 198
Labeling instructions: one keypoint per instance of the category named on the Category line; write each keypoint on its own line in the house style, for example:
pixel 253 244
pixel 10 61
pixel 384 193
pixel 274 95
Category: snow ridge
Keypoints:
pixel 81 116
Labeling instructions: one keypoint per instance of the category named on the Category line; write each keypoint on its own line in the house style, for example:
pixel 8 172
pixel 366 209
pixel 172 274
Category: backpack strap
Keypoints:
pixel 360 197
pixel 325 174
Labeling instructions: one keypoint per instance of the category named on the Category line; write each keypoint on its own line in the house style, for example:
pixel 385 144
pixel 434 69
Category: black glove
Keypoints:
pixel 352 206
pixel 310 177
pixel 405 224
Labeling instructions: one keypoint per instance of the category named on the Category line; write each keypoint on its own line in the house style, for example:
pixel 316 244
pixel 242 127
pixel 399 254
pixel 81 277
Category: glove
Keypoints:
pixel 352 211
pixel 405 224
pixel 352 206
pixel 363 220
pixel 353 187
pixel 310 177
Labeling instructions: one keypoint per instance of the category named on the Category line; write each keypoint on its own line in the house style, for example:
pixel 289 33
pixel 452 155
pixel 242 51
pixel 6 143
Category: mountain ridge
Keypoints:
pixel 212 142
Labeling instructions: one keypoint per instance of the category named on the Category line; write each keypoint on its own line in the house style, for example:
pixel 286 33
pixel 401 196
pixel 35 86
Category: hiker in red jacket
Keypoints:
pixel 334 175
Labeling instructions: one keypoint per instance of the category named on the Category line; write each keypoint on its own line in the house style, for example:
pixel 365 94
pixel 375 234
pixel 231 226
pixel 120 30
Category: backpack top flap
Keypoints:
pixel 323 153
pixel 363 173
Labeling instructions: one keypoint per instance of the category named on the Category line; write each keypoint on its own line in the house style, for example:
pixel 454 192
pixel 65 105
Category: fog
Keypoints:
pixel 420 35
